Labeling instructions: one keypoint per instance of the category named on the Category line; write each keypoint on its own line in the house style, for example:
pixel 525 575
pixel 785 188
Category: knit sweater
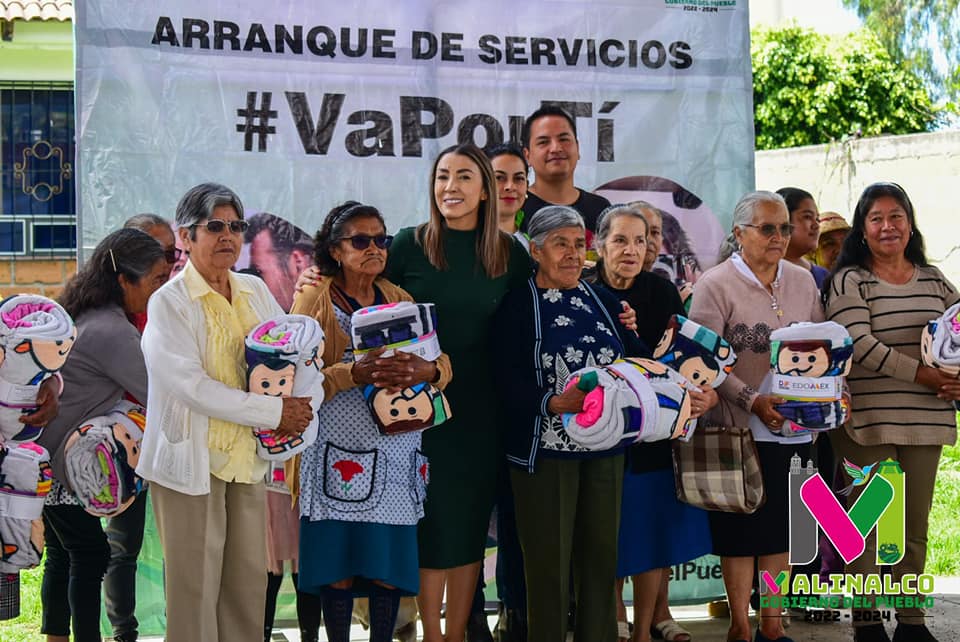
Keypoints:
pixel 885 321
pixel 741 310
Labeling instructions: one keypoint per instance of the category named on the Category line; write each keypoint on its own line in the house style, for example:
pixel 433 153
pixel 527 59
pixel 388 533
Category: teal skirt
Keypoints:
pixel 331 551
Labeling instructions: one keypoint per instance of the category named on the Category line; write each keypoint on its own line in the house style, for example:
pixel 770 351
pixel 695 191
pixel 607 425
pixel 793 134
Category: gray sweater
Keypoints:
pixel 105 362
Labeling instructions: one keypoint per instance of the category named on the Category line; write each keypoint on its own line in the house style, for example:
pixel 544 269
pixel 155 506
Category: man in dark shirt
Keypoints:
pixel 551 147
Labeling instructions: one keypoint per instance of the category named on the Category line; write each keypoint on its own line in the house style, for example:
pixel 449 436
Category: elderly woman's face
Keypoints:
pixel 213 251
pixel 625 247
pixel 886 228
pixel 830 245
pixel 764 240
pixel 654 238
pixel 368 261
pixel 560 258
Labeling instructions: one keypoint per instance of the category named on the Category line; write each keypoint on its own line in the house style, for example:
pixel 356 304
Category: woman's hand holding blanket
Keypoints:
pixel 571 400
pixel 48 404
pixel 945 386
pixel 295 416
pixel 702 400
pixel 765 407
pixel 403 370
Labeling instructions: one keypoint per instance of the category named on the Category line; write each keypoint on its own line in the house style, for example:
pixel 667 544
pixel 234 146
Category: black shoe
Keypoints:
pixel 511 626
pixel 477 628
pixel 871 633
pixel 913 633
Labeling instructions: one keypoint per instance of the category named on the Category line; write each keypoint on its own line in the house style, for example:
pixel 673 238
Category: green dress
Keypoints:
pixel 464 452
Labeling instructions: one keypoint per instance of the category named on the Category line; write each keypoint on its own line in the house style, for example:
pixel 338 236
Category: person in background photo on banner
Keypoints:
pixel 106 363
pixel 884 291
pixel 279 252
pixel 752 292
pixel 199 451
pixel 805 219
pixel 358 537
pixel 552 149
pixel 833 230
pixel 646 554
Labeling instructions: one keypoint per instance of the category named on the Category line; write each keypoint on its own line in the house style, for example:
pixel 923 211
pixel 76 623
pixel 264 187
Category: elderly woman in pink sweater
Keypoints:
pixel 745 298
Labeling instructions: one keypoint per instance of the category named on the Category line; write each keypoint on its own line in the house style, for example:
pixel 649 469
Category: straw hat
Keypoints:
pixel 831 222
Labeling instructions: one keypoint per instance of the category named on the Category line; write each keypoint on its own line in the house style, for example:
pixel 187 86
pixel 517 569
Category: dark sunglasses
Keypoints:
pixel 769 229
pixel 172 256
pixel 216 226
pixel 362 241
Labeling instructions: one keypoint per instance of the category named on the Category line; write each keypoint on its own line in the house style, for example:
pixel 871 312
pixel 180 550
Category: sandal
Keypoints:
pixel 670 631
pixel 623 630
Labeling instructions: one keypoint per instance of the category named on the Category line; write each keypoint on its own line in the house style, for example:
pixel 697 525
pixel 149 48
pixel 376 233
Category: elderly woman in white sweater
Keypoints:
pixel 198 449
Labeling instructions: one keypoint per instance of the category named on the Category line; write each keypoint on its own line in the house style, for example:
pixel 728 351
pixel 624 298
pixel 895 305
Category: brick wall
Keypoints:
pixel 35 276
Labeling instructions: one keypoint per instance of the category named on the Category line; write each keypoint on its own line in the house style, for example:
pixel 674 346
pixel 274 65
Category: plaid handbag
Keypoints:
pixel 9 595
pixel 719 469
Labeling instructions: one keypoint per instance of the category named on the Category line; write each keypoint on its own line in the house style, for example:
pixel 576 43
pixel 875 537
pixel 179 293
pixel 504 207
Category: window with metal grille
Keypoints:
pixel 37 149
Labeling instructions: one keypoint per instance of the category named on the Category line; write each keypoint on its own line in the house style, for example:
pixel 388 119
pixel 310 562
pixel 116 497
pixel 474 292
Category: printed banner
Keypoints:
pixel 300 106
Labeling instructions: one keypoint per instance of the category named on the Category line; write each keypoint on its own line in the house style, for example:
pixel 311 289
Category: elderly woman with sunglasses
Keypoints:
pixel 375 540
pixel 199 452
pixel 744 298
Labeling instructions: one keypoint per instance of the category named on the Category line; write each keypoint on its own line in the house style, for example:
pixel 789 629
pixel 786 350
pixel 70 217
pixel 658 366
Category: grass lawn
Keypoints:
pixel 943 552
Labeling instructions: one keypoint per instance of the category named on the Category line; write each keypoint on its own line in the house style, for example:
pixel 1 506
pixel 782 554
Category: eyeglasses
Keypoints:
pixel 363 241
pixel 172 255
pixel 217 226
pixel 769 229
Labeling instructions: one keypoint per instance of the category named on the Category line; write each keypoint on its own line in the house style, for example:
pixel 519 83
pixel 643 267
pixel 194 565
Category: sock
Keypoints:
pixel 337 613
pixel 384 604
pixel 308 613
pixel 273 588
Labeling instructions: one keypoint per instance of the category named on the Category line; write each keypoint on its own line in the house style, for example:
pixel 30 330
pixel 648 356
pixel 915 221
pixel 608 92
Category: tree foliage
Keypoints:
pixel 810 89
pixel 918 34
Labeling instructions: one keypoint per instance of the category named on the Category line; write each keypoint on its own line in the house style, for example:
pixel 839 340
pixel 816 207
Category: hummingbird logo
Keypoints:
pixel 859 475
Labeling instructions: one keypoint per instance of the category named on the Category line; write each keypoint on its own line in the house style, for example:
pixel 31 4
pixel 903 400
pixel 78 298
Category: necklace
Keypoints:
pixel 745 269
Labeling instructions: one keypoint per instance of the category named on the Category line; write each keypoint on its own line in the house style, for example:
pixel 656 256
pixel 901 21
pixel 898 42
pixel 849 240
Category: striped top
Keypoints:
pixel 885 322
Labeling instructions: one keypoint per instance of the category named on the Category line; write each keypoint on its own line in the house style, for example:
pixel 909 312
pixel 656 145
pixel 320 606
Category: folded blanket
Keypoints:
pixel 940 344
pixel 631 400
pixel 809 362
pixel 407 327
pixel 36 335
pixel 101 457
pixel 701 355
pixel 25 479
pixel 283 360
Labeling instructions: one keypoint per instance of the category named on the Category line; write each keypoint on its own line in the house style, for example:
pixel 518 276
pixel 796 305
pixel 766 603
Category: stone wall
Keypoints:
pixel 35 276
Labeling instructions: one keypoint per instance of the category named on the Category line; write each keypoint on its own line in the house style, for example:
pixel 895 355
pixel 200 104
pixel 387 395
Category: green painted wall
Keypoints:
pixel 39 50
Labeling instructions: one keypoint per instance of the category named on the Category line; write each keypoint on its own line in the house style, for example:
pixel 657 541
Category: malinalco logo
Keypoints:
pixel 813 507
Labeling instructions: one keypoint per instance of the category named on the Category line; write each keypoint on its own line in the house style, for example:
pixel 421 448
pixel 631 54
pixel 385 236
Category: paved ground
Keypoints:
pixel 944 622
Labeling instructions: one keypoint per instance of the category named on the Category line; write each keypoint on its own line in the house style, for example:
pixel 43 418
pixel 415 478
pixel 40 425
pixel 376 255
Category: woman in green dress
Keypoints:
pixel 460 261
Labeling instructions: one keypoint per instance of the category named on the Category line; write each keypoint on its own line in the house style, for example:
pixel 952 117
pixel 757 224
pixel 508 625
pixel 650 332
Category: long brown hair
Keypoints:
pixel 493 246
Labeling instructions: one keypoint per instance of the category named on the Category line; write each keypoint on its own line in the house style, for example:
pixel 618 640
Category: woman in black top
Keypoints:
pixel 645 554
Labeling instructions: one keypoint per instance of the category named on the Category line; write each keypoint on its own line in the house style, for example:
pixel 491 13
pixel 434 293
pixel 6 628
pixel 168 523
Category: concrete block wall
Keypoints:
pixel 926 165
pixel 35 276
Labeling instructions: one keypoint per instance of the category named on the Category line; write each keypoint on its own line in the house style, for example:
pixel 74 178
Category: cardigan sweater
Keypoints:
pixel 885 321
pixel 182 396
pixel 314 301
pixel 521 389
pixel 742 312
pixel 105 361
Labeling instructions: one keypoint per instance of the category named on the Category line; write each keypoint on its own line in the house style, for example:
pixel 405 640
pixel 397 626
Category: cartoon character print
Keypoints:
pixel 413 408
pixel 273 377
pixel 672 395
pixel 49 356
pixel 803 359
